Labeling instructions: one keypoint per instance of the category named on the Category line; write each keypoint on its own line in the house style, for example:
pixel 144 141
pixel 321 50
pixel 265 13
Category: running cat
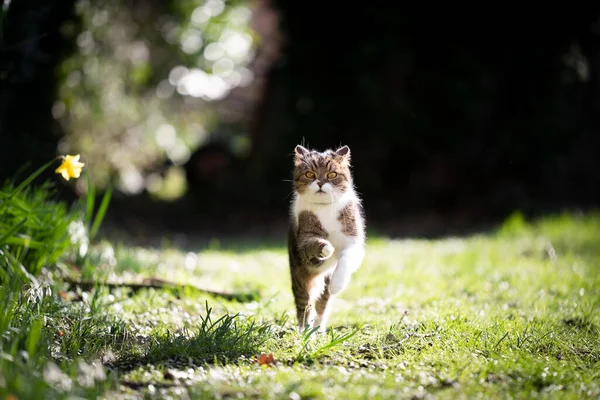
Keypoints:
pixel 326 238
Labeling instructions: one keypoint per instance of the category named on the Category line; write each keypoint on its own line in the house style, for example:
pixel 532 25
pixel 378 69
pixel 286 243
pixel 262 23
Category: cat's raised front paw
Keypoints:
pixel 326 251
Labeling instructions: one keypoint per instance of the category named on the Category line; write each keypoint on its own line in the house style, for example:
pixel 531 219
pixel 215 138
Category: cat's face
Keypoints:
pixel 324 176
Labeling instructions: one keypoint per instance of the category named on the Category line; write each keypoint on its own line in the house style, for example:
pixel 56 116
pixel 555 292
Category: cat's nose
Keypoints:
pixel 320 183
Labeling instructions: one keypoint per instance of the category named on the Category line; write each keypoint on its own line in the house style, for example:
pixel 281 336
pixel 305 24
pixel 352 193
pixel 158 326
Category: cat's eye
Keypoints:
pixel 331 175
pixel 310 175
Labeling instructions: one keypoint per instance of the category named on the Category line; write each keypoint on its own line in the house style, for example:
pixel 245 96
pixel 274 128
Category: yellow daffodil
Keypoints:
pixel 70 167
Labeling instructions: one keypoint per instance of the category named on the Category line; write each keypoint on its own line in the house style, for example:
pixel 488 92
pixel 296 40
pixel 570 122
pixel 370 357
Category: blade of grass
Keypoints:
pixel 12 261
pixel 90 198
pixel 101 212
pixel 25 242
pixel 22 169
pixel 12 230
pixel 34 336
pixel 31 177
pixel 334 341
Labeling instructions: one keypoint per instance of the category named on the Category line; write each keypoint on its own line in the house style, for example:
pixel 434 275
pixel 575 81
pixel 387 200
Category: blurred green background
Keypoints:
pixel 192 108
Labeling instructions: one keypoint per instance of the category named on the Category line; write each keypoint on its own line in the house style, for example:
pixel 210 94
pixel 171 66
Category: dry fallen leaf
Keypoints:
pixel 266 360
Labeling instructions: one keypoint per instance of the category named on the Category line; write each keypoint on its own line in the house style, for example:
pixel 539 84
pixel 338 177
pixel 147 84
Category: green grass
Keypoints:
pixel 33 228
pixel 512 313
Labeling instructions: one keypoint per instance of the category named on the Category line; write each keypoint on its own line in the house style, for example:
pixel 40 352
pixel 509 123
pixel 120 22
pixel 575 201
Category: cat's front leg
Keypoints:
pixel 350 260
pixel 316 250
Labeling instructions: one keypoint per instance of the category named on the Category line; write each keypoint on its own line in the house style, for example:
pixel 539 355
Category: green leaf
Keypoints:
pixel 34 336
pixel 25 242
pixel 101 212
pixel 12 231
pixel 31 177
pixel 90 198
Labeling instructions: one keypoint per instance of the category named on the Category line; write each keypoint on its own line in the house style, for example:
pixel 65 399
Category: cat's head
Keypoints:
pixel 325 176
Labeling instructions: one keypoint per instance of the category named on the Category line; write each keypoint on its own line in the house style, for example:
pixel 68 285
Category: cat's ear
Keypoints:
pixel 343 151
pixel 300 151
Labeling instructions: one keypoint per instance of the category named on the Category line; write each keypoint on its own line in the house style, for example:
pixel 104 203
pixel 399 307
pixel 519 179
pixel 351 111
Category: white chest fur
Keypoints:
pixel 329 217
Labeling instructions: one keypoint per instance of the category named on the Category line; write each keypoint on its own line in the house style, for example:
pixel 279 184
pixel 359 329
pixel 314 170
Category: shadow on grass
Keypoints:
pixel 224 340
pixel 198 243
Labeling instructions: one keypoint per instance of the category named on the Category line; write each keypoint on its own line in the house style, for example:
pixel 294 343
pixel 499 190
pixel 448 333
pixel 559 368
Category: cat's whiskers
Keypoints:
pixel 291 193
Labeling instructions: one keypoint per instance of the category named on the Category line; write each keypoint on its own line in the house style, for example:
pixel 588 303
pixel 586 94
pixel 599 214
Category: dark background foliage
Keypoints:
pixel 455 117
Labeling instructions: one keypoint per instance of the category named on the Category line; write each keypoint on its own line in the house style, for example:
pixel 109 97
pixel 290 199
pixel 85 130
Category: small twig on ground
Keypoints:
pixel 160 284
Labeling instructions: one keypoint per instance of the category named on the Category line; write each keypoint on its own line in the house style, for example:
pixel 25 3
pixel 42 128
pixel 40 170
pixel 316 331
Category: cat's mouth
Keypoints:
pixel 322 203
pixel 320 199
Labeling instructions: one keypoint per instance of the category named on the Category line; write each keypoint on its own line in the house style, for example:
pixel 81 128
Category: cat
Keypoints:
pixel 326 237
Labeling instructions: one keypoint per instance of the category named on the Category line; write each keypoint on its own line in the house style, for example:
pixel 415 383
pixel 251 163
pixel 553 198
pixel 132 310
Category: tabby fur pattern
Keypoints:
pixel 326 238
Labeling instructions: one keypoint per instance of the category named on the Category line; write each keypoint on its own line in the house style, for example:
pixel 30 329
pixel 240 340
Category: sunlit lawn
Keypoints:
pixel 511 313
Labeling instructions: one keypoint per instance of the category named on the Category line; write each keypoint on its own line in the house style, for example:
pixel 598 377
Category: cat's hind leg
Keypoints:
pixel 306 291
pixel 323 307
